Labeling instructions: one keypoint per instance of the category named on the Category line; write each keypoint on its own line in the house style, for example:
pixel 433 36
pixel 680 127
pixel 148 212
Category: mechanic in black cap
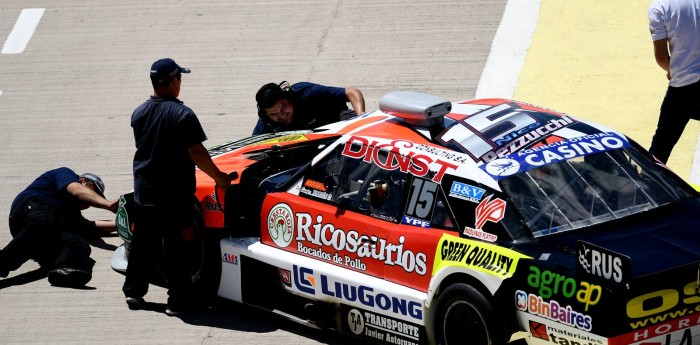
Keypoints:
pixel 47 226
pixel 304 105
pixel 168 137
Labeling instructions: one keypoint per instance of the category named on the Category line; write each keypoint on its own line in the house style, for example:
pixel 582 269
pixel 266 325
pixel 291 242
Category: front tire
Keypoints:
pixel 465 316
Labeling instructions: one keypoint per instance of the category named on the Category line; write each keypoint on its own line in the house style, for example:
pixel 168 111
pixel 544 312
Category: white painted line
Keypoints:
pixel 508 50
pixel 22 32
pixel 695 165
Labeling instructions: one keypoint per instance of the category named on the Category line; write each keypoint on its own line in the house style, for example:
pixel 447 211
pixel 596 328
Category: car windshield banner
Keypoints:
pixel 553 153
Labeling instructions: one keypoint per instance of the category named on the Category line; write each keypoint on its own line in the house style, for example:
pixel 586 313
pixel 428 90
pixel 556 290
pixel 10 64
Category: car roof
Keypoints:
pixel 468 135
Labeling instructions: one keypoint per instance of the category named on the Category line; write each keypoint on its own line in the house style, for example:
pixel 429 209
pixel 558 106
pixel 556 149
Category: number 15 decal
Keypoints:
pixel 422 199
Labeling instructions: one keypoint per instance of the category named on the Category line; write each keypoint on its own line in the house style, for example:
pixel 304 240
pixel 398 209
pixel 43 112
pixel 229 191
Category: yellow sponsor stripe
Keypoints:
pixel 481 256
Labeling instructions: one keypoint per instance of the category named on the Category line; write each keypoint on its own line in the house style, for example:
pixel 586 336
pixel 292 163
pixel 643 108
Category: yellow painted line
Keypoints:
pixel 594 60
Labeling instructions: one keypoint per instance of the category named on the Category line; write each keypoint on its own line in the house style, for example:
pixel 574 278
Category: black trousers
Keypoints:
pixel 40 233
pixel 160 235
pixel 679 106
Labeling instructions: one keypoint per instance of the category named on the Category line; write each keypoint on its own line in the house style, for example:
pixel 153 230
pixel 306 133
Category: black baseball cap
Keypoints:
pixel 100 186
pixel 163 71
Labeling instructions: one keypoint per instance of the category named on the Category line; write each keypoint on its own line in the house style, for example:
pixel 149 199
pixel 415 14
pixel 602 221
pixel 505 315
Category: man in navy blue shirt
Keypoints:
pixel 168 139
pixel 47 226
pixel 304 105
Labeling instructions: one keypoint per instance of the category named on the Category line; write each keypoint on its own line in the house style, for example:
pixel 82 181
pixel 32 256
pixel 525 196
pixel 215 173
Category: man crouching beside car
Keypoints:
pixel 47 226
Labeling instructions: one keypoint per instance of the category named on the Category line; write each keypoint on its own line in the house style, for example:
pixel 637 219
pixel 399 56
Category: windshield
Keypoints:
pixel 588 190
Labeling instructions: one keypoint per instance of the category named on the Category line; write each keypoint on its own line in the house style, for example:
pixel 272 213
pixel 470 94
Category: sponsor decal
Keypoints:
pixel 213 205
pixel 553 153
pixel 660 306
pixel 280 224
pixel 502 130
pixel 415 221
pixel 603 264
pixel 479 234
pixel 383 328
pixel 123 228
pixel 324 241
pixel 230 258
pixel 384 217
pixel 453 156
pixel 552 310
pixel 421 202
pixel 502 167
pixel 487 210
pixel 562 336
pixel 400 154
pixel 554 284
pixel 285 276
pixel 355 294
pixel 258 139
pixel 304 280
pixel 679 331
pixel 466 192
pixel 284 139
pixel 481 256
pixel 538 330
pixel 315 189
pixel 315 185
pixel 492 211
pixel 356 323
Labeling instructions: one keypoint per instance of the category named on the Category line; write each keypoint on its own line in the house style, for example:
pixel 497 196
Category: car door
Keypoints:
pixel 328 216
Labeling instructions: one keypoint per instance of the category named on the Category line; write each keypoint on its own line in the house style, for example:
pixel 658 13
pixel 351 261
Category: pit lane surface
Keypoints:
pixel 66 100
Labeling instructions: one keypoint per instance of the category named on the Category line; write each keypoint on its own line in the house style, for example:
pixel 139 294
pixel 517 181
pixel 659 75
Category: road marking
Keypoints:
pixel 22 32
pixel 508 50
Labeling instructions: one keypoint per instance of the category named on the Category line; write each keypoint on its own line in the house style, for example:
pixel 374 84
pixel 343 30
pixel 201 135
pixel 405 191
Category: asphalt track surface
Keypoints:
pixel 67 98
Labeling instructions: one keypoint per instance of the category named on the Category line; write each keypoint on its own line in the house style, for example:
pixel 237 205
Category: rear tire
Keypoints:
pixel 465 316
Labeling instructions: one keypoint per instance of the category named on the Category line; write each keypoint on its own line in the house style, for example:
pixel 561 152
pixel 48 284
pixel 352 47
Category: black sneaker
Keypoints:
pixel 69 277
pixel 176 311
pixel 184 308
pixel 135 303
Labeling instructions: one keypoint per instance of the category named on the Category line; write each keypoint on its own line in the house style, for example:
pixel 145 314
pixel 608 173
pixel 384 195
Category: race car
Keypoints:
pixel 437 222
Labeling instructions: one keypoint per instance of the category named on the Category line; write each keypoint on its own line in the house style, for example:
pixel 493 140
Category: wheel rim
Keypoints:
pixel 463 324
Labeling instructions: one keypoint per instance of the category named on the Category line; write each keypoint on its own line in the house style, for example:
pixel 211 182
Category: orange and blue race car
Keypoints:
pixel 433 222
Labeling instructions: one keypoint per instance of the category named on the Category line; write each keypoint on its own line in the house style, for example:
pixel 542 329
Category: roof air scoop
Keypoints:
pixel 415 108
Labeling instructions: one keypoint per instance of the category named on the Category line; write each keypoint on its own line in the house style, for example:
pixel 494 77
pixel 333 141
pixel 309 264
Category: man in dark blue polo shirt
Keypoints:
pixel 304 105
pixel 168 139
pixel 47 226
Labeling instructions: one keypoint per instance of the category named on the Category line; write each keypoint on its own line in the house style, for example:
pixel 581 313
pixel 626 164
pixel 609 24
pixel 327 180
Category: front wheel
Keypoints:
pixel 464 316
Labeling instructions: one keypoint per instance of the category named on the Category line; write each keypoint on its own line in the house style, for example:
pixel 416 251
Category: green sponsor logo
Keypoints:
pixel 123 221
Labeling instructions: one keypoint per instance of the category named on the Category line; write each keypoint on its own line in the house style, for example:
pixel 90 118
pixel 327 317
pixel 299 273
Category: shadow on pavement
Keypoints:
pixel 24 278
pixel 235 316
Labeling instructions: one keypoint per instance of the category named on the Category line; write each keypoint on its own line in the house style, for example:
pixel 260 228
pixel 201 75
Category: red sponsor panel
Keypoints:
pixel 399 253
pixel 415 256
pixel 654 334
pixel 326 233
